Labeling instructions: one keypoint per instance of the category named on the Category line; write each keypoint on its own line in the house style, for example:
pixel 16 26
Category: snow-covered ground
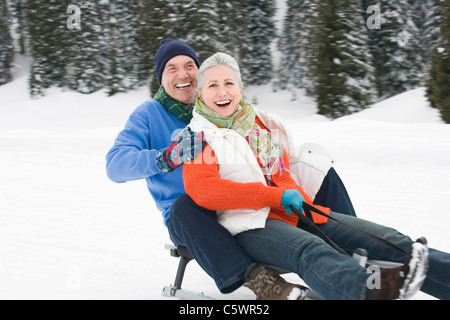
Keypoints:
pixel 67 232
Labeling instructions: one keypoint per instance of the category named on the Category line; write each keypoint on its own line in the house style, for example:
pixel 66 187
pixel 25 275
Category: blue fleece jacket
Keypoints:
pixel 149 128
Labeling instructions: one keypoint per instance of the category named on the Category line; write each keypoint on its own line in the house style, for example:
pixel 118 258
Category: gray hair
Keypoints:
pixel 218 59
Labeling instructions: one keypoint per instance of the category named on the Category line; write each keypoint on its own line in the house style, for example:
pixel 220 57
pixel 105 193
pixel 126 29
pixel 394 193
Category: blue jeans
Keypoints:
pixel 330 274
pixel 214 248
pixel 333 194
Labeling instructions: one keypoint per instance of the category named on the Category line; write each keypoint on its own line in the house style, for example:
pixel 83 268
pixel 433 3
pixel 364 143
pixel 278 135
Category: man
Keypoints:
pixel 145 150
pixel 155 142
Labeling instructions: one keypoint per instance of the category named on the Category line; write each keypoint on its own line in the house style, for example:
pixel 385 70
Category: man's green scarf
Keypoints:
pixel 181 110
pixel 265 148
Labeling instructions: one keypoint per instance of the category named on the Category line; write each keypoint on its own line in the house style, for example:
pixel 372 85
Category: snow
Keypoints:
pixel 67 232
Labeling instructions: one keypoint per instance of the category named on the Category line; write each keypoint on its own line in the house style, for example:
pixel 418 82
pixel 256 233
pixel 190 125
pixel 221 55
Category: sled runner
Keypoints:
pixel 360 255
pixel 175 290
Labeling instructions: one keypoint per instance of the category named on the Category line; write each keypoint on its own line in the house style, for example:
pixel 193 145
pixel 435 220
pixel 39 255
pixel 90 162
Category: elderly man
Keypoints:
pixel 155 142
pixel 145 150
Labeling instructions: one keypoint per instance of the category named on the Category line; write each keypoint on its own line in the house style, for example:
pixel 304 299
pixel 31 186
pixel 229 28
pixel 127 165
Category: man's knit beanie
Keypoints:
pixel 169 48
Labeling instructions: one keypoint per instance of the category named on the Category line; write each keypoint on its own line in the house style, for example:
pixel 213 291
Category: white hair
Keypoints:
pixel 218 59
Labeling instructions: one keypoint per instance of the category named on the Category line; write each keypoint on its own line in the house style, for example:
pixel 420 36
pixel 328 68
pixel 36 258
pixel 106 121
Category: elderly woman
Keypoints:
pixel 244 174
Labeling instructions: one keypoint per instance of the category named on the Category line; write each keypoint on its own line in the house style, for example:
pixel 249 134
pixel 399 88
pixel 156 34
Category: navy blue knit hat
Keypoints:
pixel 169 48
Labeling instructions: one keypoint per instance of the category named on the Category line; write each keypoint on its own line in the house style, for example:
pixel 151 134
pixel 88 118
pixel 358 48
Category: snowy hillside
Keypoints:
pixel 67 232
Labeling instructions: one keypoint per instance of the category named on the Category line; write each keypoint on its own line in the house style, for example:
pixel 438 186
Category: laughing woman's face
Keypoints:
pixel 221 91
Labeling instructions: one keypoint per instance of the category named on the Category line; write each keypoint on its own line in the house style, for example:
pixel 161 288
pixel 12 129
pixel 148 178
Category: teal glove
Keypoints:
pixel 292 197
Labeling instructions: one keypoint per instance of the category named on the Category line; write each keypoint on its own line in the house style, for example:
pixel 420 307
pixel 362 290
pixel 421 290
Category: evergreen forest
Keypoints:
pixel 346 54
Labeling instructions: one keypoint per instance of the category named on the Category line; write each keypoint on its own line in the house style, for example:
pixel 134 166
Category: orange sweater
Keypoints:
pixel 204 185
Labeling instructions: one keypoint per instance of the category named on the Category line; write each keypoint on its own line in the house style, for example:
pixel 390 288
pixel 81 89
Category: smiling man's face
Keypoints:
pixel 179 79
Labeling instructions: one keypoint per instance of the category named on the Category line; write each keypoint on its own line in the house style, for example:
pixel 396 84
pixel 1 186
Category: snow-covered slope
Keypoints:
pixel 67 232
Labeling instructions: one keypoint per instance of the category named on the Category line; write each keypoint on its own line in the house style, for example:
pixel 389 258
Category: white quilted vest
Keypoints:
pixel 237 163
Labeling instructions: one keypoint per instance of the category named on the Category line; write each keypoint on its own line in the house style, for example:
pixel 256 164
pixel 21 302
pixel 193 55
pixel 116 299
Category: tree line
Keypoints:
pixel 347 54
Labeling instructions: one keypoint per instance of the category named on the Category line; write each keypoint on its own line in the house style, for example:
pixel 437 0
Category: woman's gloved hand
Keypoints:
pixel 292 197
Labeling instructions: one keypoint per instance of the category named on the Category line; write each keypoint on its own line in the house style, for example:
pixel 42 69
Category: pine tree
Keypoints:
pixel 387 53
pixel 201 27
pixel 88 51
pixel 340 63
pixel 402 46
pixel 328 81
pixel 439 80
pixel 114 79
pixel 425 20
pixel 394 48
pixel 432 21
pixel 48 44
pixel 151 29
pixel 293 44
pixel 355 57
pixel 233 34
pixel 176 18
pixel 256 55
pixel 6 46
pixel 123 62
pixel 17 10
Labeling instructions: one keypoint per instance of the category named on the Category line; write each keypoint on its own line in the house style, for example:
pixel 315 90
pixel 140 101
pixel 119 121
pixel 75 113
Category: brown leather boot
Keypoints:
pixel 267 284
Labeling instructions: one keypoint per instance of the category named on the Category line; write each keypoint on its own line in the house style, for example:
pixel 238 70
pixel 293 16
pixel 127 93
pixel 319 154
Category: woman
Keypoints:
pixel 244 174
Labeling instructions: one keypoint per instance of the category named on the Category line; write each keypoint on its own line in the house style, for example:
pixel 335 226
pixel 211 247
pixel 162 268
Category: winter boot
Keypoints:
pixel 267 284
pixel 404 281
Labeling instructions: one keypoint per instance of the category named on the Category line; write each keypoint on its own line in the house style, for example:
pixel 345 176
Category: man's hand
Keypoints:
pixel 183 149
